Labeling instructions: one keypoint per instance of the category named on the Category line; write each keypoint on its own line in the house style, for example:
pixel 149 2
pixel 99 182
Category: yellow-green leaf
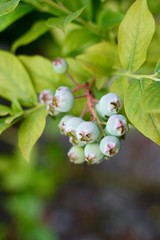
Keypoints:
pixel 151 98
pixel 62 22
pixel 7 7
pixel 30 130
pixel 99 59
pixel 38 29
pixel 134 35
pixel 146 123
pixel 15 84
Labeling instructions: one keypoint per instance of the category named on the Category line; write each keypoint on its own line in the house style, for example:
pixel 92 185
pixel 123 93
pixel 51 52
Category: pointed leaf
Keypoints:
pixel 151 98
pixel 100 59
pixel 62 22
pixel 20 11
pixel 157 69
pixel 41 71
pixel 38 29
pixel 30 130
pixel 119 86
pixel 8 7
pixel 15 83
pixel 4 110
pixel 147 123
pixel 134 35
pixel 3 125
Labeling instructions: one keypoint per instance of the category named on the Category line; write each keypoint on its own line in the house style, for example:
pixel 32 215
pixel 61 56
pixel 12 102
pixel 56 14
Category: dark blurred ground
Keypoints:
pixel 118 199
pixel 115 200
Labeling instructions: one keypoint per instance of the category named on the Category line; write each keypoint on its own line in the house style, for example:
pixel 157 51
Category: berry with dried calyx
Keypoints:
pixel 87 132
pixel 110 146
pixel 109 104
pixel 60 65
pixel 71 126
pixel 62 123
pixel 92 153
pixel 76 155
pixel 46 96
pixel 63 99
pixel 117 125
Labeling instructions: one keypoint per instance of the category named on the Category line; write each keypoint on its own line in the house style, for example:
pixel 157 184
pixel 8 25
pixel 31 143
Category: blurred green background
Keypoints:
pixel 52 199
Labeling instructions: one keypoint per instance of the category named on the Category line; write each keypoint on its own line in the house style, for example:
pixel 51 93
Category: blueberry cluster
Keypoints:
pixel 87 139
pixel 92 141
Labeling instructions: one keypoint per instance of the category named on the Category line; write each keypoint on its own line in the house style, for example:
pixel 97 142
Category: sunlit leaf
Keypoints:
pixel 15 83
pixel 30 130
pixel 41 72
pixel 146 123
pixel 151 98
pixel 134 35
pixel 99 59
pixel 62 22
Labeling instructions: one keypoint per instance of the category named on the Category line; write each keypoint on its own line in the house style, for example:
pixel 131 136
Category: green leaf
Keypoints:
pixel 38 29
pixel 15 83
pixel 4 110
pixel 11 118
pixel 20 11
pixel 151 98
pixel 134 35
pixel 109 18
pixel 77 40
pixel 43 6
pixel 7 7
pixel 3 125
pixel 62 22
pixel 157 69
pixel 119 86
pixel 41 72
pixel 30 130
pixel 147 123
pixel 100 59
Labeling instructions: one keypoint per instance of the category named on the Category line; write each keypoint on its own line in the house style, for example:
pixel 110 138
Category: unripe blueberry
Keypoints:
pixel 92 153
pixel 110 146
pixel 97 108
pixel 63 99
pixel 46 96
pixel 109 104
pixel 62 123
pixel 52 110
pixel 71 126
pixel 87 132
pixel 117 125
pixel 76 155
pixel 60 65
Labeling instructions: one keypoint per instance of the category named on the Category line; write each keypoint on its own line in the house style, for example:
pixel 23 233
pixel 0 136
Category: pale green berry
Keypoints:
pixel 109 146
pixel 62 123
pixel 98 110
pixel 109 104
pixel 92 153
pixel 71 126
pixel 76 155
pixel 46 96
pixel 60 65
pixel 63 99
pixel 87 132
pixel 117 125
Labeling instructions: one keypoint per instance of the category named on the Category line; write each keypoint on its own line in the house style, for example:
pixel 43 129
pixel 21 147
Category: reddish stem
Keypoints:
pixel 72 79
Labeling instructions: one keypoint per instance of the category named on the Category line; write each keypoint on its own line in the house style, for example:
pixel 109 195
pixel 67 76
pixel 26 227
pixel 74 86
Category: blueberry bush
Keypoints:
pixel 98 73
